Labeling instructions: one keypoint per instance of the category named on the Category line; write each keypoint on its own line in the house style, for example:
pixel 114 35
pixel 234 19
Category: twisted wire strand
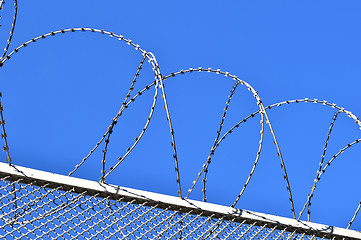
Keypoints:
pixel 317 179
pixel 114 122
pixel 354 216
pixel 12 28
pixel 323 157
pixel 4 135
pixel 216 139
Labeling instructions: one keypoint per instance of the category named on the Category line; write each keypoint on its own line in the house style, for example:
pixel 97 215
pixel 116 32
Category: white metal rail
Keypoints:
pixel 41 205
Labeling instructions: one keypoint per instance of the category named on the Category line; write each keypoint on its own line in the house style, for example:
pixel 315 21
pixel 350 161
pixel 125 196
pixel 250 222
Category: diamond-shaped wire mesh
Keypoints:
pixel 36 209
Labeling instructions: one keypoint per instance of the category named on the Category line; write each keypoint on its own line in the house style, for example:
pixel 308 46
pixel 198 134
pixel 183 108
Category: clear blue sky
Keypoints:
pixel 61 93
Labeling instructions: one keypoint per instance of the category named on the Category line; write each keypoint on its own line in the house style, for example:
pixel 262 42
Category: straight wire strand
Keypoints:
pixel 4 135
pixel 114 122
pixel 12 29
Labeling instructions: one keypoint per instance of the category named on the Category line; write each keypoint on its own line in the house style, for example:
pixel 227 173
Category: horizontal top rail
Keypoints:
pixel 149 198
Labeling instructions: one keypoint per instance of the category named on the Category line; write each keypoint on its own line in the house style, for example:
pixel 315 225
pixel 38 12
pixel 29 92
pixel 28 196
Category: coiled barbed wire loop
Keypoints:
pixel 158 85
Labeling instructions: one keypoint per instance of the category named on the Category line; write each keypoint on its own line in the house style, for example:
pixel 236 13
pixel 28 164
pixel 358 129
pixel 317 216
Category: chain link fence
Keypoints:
pixel 41 205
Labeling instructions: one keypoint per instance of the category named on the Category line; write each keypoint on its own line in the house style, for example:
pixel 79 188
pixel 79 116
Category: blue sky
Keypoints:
pixel 60 94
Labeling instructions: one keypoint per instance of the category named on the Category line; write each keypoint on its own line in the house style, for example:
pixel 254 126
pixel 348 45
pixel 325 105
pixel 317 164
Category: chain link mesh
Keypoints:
pixel 37 209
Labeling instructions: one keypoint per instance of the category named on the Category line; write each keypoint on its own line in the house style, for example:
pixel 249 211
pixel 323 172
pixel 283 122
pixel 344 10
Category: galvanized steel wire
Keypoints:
pixel 158 85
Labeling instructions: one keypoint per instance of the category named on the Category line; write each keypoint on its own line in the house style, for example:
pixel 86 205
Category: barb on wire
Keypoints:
pixel 285 176
pixel 354 216
pixel 1 6
pixel 205 168
pixel 166 108
pixel 218 71
pixel 158 84
pixel 322 158
pixel 137 47
pixel 12 29
pixel 72 30
pixel 254 165
pixel 318 178
pixel 4 135
pixel 260 105
pixel 114 122
pixel 121 159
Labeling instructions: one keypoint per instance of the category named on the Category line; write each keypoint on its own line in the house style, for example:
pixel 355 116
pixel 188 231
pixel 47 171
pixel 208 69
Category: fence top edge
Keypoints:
pixel 176 202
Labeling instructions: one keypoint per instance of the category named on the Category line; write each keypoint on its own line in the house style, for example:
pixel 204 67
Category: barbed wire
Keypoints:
pixel 158 83
pixel 215 142
pixel 3 134
pixel 1 6
pixel 263 114
pixel 68 30
pixel 323 157
pixel 110 131
pixel 354 216
pixel 12 28
pixel 317 179
pixel 158 77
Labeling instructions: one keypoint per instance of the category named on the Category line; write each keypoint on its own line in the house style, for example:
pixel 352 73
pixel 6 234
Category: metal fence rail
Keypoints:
pixel 43 205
